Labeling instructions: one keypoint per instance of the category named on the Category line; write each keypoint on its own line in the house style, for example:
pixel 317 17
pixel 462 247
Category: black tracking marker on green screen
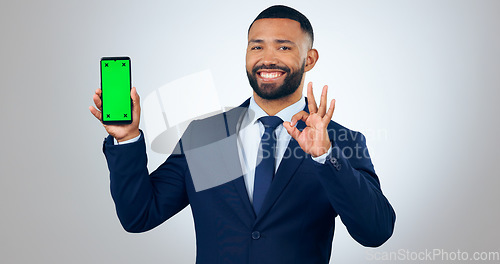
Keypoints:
pixel 116 83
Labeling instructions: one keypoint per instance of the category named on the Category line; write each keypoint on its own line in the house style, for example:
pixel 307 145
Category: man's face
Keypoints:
pixel 276 57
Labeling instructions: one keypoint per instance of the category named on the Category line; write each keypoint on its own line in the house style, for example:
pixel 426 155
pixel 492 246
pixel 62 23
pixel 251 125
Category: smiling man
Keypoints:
pixel 299 169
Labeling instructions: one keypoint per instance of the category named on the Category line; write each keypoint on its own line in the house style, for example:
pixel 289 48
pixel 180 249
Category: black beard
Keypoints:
pixel 268 91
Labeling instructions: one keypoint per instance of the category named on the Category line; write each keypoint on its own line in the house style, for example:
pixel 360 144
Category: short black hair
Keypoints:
pixel 281 11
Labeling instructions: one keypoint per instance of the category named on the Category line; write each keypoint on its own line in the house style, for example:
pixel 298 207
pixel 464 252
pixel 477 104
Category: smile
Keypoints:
pixel 270 75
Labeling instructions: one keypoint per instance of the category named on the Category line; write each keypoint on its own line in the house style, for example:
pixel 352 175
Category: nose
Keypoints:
pixel 269 57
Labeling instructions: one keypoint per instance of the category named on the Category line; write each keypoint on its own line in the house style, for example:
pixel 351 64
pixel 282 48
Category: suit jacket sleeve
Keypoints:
pixel 144 201
pixel 354 191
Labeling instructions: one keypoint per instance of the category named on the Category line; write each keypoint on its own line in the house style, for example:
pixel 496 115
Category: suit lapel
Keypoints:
pixel 241 188
pixel 233 119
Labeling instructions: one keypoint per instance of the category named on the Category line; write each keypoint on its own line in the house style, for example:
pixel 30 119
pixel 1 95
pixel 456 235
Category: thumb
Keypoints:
pixel 134 95
pixel 136 100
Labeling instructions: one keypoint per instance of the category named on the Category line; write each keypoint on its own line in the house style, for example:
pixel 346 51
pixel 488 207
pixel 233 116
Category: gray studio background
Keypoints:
pixel 419 78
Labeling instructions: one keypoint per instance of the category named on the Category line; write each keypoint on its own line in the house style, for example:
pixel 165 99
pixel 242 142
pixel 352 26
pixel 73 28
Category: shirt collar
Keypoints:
pixel 285 114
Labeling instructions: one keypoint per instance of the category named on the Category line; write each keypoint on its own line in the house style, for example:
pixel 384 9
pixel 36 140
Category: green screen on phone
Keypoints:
pixel 116 85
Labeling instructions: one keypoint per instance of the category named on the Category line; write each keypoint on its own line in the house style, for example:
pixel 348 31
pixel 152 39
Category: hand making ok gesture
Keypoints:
pixel 314 138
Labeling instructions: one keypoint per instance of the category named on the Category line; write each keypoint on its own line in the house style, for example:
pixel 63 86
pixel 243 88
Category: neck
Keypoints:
pixel 272 107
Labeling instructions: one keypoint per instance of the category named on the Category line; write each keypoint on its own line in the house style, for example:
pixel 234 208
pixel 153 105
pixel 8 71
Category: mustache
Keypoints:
pixel 270 67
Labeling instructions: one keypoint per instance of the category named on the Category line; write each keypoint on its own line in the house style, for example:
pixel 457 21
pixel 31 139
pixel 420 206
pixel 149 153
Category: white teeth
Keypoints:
pixel 269 75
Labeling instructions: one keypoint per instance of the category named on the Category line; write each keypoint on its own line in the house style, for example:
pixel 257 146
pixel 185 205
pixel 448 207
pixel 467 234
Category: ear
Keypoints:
pixel 311 59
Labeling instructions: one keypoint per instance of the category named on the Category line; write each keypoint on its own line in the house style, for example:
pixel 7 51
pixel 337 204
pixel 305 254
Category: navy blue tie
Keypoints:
pixel 264 172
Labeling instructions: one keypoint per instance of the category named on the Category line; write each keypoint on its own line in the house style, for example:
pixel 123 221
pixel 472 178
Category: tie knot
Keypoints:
pixel 271 121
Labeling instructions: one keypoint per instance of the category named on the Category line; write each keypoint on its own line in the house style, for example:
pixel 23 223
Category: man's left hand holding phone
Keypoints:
pixel 117 104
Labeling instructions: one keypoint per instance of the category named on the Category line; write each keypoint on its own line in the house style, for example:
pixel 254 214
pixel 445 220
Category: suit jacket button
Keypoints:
pixel 335 163
pixel 255 235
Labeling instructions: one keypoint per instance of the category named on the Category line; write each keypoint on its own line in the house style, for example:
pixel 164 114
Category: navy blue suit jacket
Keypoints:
pixel 296 222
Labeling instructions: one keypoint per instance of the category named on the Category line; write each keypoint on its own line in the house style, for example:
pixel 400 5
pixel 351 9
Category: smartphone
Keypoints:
pixel 116 83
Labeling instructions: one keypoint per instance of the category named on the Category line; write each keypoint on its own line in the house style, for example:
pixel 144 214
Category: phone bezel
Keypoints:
pixel 117 122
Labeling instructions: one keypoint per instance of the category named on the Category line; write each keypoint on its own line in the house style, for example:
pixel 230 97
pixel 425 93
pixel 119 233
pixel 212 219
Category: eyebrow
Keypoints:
pixel 280 41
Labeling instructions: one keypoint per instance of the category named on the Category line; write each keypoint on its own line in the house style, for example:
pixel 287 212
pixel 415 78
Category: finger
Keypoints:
pixel 96 113
pixel 310 99
pixel 329 114
pixel 136 101
pixel 322 103
pixel 99 92
pixel 292 130
pixel 302 115
pixel 97 101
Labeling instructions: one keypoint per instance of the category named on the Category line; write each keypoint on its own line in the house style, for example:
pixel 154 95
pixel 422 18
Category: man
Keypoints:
pixel 300 169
